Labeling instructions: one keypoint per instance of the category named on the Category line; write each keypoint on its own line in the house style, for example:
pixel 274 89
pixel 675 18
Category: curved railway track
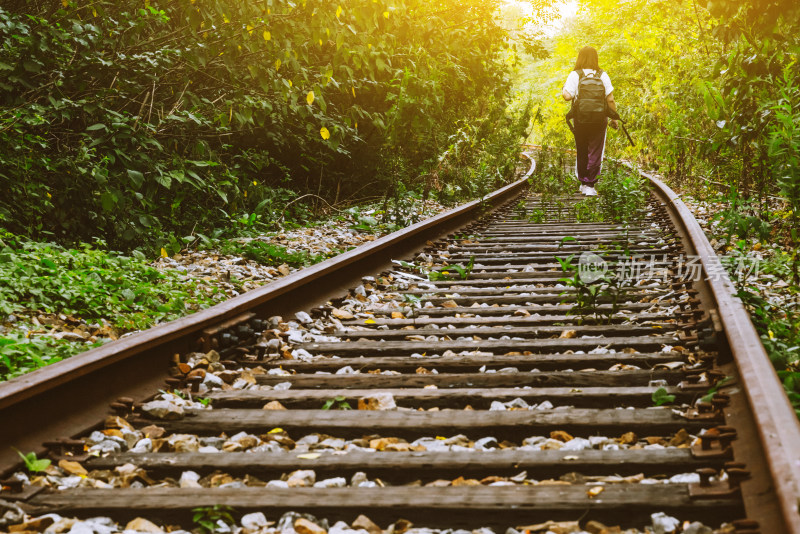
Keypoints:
pixel 507 409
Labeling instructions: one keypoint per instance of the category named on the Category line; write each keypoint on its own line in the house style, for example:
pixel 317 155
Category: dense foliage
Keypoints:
pixel 141 122
pixel 711 90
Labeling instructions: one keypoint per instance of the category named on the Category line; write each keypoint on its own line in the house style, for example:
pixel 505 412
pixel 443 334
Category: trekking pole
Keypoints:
pixel 615 116
pixel 571 127
pixel 622 123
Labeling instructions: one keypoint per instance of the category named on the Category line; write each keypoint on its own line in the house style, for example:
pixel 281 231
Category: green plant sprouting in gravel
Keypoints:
pixel 32 463
pixel 623 194
pixel 211 519
pixel 603 288
pixel 337 403
pixel 660 397
pixel 588 210
pixel 444 272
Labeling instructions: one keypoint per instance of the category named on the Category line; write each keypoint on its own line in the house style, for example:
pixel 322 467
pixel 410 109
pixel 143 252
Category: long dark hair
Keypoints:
pixel 587 59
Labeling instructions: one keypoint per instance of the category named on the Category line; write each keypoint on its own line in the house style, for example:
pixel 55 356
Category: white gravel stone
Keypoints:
pixel 577 444
pixel 685 478
pixel 664 524
pixel 189 479
pixel 254 521
pixel 338 482
pixel 303 317
pixel 161 409
pixel 142 446
pixel 486 444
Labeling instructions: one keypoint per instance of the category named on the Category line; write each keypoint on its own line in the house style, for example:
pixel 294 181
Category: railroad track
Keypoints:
pixel 480 395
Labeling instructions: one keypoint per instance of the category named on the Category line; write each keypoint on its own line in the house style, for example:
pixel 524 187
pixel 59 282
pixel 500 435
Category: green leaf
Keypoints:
pixel 661 397
pixel 108 200
pixel 31 65
pixel 566 240
pixel 136 177
pixel 98 126
pixel 32 463
pixel 164 179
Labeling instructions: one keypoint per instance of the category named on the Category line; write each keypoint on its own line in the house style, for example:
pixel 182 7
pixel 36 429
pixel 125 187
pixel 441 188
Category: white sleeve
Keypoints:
pixel 571 85
pixel 607 83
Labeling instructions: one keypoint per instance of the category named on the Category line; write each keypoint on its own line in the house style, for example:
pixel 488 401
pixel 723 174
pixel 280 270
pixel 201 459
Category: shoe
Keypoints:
pixel 583 189
pixel 590 191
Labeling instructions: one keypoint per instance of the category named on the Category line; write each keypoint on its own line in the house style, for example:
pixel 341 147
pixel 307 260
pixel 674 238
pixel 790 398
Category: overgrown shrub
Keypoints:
pixel 141 122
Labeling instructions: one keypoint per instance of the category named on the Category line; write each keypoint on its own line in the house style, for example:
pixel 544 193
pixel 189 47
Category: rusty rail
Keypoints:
pixel 776 422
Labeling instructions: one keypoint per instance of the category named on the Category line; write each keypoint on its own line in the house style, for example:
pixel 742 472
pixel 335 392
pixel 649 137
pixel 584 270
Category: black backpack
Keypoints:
pixel 589 107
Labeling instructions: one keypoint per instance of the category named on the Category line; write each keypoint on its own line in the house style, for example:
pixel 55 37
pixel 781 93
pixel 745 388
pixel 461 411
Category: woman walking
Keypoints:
pixel 589 89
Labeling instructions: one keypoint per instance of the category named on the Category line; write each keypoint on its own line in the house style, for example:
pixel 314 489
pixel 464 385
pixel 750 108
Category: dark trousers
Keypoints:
pixel 590 143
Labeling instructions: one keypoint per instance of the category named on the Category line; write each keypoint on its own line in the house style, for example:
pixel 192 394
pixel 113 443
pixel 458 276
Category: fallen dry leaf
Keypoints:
pixel 595 491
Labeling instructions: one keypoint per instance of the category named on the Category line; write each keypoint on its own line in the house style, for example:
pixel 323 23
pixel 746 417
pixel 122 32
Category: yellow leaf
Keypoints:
pixel 94 12
pixel 338 11
pixel 275 431
pixel 386 14
pixel 64 3
pixel 250 29
pixel 255 183
pixel 441 438
pixel 310 97
pixel 320 42
pixel 163 252
pixel 326 135
pixel 309 456
pixel 356 125
pixel 267 35
pixel 290 83
pixel 353 89
pixel 595 491
pixel 277 64
pixel 369 321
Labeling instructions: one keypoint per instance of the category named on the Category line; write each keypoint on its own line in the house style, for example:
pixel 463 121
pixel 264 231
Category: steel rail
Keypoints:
pixel 71 396
pixel 775 420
